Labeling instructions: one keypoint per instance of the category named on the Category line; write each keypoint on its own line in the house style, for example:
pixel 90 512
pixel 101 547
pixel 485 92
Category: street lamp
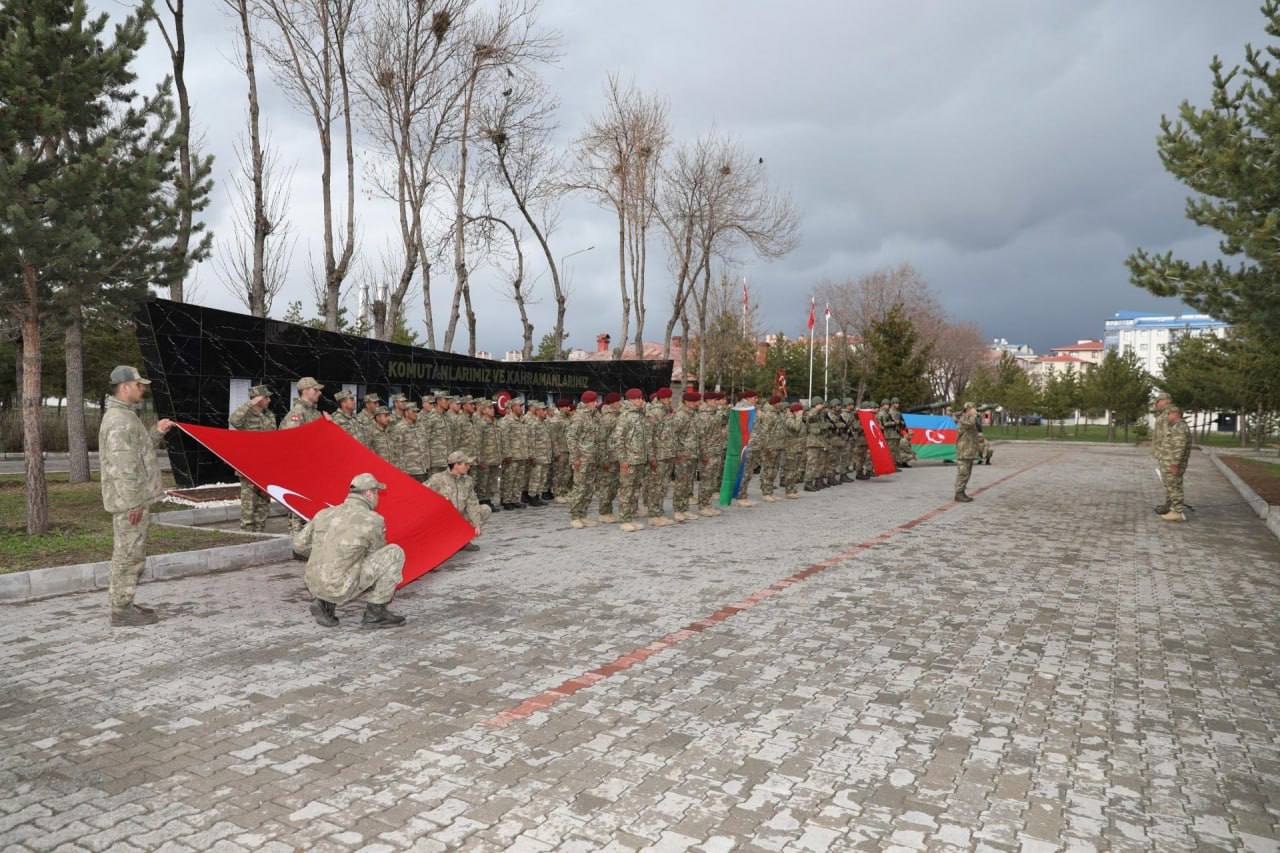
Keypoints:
pixel 564 258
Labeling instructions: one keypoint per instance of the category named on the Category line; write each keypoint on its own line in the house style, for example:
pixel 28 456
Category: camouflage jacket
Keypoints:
pixel 559 425
pixel 707 426
pixel 437 433
pixel 127 458
pixel 382 443
pixel 684 433
pixel 335 543
pixel 765 436
pixel 1159 431
pixel 582 436
pixel 301 414
pixel 489 443
pixel 887 426
pixel 539 431
pixel 629 442
pixel 409 446
pixel 515 437
pixel 661 441
pixel 468 434
pixel 248 418
pixel 1175 445
pixel 608 424
pixel 459 491
pixel 816 428
pixel 967 435
pixel 350 425
pixel 793 432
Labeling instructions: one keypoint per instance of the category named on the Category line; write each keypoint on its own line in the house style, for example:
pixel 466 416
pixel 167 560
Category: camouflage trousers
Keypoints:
pixel 814 465
pixel 750 464
pixel 708 482
pixel 793 470
pixel 128 557
pixel 862 459
pixel 629 485
pixel 770 463
pixel 1173 491
pixel 378 573
pixel 537 479
pixel 561 476
pixel 682 489
pixel 607 484
pixel 903 450
pixel 515 474
pixel 656 479
pixel 486 482
pixel 584 487
pixel 964 467
pixel 254 506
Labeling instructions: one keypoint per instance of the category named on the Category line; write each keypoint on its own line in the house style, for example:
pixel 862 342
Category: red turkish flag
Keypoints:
pixel 311 467
pixel 881 455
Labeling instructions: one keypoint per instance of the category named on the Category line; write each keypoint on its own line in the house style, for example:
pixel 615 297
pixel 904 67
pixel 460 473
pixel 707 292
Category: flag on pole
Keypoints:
pixel 932 436
pixel 881 455
pixel 827 313
pixel 737 451
pixel 813 307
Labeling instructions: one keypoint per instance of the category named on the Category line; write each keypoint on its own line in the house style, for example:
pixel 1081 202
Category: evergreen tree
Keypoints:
pixel 899 365
pixel 1120 386
pixel 548 350
pixel 1226 154
pixel 84 166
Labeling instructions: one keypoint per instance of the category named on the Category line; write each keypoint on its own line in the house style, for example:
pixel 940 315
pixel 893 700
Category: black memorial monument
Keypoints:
pixel 198 357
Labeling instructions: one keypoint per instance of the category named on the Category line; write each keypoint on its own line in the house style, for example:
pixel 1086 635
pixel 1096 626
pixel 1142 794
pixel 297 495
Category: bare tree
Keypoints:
pixel 958 351
pixel 490 226
pixel 249 267
pixel 308 50
pixel 618 163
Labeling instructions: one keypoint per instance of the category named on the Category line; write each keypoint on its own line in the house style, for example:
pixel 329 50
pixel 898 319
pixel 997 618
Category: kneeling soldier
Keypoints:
pixel 456 486
pixel 347 554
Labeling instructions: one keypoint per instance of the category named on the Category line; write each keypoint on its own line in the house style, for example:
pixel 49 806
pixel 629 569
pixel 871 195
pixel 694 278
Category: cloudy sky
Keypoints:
pixel 1005 149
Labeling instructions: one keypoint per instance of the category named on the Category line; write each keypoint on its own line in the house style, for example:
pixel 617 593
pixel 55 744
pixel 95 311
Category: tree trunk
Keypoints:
pixel 684 349
pixel 461 287
pixel 426 294
pixel 261 227
pixel 37 490
pixel 560 296
pixel 622 282
pixel 1111 426
pixel 77 441
pixel 1260 434
pixel 182 240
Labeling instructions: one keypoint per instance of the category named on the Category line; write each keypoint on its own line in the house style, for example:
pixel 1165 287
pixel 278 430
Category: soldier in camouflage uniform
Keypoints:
pixel 885 420
pixel 684 439
pixel 345 416
pixel 468 429
pixel 380 441
pixel 396 408
pixel 750 460
pixel 815 445
pixel 347 553
pixel 711 450
pixel 130 477
pixel 561 473
pixel 769 439
pixel 515 455
pixel 793 437
pixel 903 452
pixel 255 416
pixel 489 460
pixel 539 452
pixel 436 432
pixel 662 442
pixel 303 412
pixel 966 449
pixel 631 446
pixel 408 444
pixel 456 486
pixel 585 450
pixel 1175 450
pixel 608 481
pixel 1159 429
pixel 365 418
pixel 861 450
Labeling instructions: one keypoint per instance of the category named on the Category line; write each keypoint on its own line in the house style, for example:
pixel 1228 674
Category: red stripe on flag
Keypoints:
pixel 933 436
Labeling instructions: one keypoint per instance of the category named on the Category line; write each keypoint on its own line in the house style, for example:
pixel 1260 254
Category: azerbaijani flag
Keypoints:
pixel 932 436
pixel 736 453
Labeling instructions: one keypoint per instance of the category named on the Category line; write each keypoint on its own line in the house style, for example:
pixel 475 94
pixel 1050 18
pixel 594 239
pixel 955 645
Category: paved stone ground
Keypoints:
pixel 1051 666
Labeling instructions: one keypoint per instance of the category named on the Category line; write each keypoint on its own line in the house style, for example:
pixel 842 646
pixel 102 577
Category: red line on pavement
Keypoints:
pixel 623 662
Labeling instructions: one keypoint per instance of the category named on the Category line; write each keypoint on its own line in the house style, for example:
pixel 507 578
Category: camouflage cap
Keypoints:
pixel 381 410
pixel 259 391
pixel 344 394
pixel 372 398
pixel 894 401
pixel 815 401
pixel 458 456
pixel 397 398
pixel 125 373
pixel 410 406
pixel 308 382
pixel 1173 407
pixel 428 398
pixel 969 404
pixel 365 483
pixel 537 404
pixel 1164 395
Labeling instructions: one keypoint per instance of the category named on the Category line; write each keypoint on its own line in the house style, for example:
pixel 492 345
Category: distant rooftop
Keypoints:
pixel 1144 320
pixel 1088 345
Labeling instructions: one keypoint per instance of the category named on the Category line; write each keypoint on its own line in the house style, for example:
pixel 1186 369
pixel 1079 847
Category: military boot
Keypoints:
pixel 132 617
pixel 378 616
pixel 962 498
pixel 325 613
pixel 811 486
pixel 534 500
pixel 1163 508
pixel 1173 515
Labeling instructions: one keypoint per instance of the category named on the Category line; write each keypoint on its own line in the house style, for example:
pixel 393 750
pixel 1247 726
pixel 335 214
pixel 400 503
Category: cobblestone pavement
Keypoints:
pixel 1050 666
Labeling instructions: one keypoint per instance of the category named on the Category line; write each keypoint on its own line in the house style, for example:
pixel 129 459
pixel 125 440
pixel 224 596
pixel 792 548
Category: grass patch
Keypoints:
pixel 80 529
pixel 1097 432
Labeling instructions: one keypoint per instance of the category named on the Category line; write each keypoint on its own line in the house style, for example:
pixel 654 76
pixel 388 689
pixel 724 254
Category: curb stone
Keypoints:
pixel 1270 515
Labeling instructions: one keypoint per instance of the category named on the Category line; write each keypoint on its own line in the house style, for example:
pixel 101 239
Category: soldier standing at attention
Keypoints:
pixel 772 434
pixel 631 443
pixel 1160 429
pixel 750 458
pixel 468 431
pixel 902 450
pixel 490 459
pixel 365 418
pixel 130 478
pixel 347 553
pixel 814 444
pixel 966 449
pixel 793 435
pixel 303 412
pixel 515 454
pixel 608 482
pixel 432 424
pixel 684 438
pixel 380 441
pixel 664 458
pixel 887 426
pixel 539 452
pixel 711 450
pixel 408 444
pixel 561 474
pixel 345 415
pixel 456 486
pixel 582 440
pixel 1175 450
pixel 254 416
pixel 397 407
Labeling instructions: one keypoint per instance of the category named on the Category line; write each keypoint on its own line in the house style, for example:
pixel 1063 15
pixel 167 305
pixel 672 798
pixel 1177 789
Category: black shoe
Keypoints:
pixel 963 498
pixel 132 618
pixel 509 506
pixel 534 500
pixel 862 477
pixel 147 611
pixel 1162 509
pixel 905 465
pixel 378 616
pixel 471 546
pixel 325 613
pixel 547 497
pixel 809 487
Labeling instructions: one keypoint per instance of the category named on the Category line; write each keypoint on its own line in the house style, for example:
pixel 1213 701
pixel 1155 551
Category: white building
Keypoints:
pixel 1149 335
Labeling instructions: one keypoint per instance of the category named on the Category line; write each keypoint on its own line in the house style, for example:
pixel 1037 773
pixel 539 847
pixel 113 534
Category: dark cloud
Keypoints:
pixel 1004 149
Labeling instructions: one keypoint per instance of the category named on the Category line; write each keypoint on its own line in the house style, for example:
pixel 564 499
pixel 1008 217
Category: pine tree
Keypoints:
pixel 1226 155
pixel 84 164
pixel 899 365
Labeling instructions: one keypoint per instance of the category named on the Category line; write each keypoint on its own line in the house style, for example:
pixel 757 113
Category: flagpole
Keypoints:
pixel 826 352
pixel 811 325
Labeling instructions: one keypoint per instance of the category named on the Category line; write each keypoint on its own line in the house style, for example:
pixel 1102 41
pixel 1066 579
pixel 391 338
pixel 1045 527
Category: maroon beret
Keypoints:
pixel 589 396
pixel 564 403
pixel 775 400
pixel 797 407
pixel 664 393
pixel 612 397
pixel 691 397
pixel 634 394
